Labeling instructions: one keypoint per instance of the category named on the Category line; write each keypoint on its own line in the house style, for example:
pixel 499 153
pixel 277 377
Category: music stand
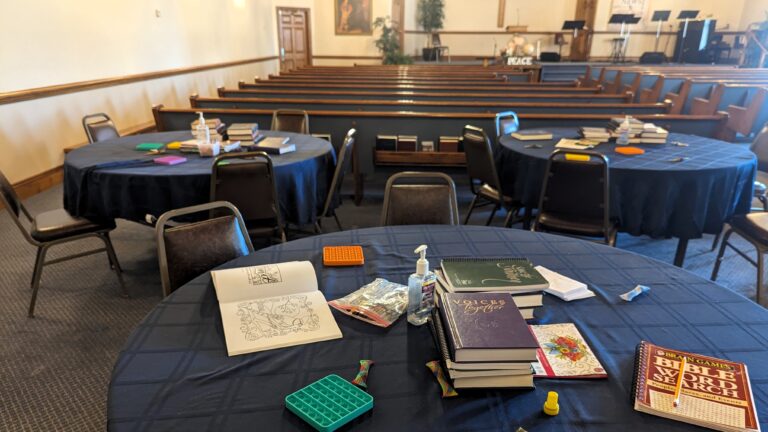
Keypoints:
pixel 575 26
pixel 620 19
pixel 631 20
pixel 686 15
pixel 659 17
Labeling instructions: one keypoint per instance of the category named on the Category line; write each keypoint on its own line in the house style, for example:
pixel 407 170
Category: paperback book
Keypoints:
pixel 272 306
pixel 563 353
pixel 714 393
pixel 492 274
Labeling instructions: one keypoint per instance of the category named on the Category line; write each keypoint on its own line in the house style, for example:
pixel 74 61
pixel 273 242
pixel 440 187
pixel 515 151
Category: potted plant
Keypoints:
pixel 388 43
pixel 430 15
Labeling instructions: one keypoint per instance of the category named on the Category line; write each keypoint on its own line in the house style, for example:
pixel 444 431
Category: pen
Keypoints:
pixel 679 386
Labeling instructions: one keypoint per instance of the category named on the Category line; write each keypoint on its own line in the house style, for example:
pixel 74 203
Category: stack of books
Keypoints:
pixel 243 132
pixel 635 127
pixel 514 278
pixel 596 134
pixel 483 340
pixel 215 127
pixel 189 146
pixel 651 134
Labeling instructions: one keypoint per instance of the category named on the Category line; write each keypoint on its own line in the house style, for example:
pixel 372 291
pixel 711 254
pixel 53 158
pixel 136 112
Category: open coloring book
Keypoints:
pixel 272 306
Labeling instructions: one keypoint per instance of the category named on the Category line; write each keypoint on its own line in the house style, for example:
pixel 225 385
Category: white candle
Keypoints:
pixel 538 49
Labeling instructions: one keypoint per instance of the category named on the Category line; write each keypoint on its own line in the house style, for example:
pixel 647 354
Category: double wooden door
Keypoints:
pixel 293 34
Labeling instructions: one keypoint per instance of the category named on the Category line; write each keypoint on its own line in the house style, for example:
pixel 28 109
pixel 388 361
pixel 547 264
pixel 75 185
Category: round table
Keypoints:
pixel 95 191
pixel 650 194
pixel 174 373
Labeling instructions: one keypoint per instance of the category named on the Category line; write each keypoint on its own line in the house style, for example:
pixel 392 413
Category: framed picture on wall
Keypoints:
pixel 353 17
pixel 638 8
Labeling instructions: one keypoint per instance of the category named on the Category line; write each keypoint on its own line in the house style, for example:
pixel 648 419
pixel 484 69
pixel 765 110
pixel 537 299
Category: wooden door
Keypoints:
pixel 293 34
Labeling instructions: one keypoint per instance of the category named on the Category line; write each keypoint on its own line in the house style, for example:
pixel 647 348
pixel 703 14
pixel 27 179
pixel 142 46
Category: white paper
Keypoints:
pixel 272 306
pixel 564 287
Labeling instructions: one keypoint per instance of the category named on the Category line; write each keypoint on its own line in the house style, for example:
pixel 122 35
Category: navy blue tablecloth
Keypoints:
pixel 650 194
pixel 131 193
pixel 174 373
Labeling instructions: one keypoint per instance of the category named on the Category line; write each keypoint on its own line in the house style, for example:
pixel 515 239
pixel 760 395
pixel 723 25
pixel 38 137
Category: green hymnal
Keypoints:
pixel 149 146
pixel 492 274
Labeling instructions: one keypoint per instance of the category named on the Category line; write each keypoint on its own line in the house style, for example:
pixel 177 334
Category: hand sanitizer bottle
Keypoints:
pixel 421 288
pixel 202 133
pixel 623 138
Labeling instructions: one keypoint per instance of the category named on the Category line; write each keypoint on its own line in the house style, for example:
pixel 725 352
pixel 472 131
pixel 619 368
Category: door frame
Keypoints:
pixel 308 23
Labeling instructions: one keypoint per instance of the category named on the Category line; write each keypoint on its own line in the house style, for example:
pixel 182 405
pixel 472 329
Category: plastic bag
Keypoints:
pixel 380 303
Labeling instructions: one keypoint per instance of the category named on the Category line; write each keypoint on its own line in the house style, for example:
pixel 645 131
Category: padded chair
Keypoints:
pixel 575 197
pixel 506 123
pixel 290 120
pixel 483 178
pixel 408 203
pixel 333 197
pixel 759 191
pixel 188 250
pixel 99 127
pixel 52 228
pixel 247 180
pixel 753 228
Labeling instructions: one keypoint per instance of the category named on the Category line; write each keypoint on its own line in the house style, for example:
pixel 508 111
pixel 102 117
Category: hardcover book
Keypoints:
pixel 521 300
pixel 275 145
pixel 487 274
pixel 563 353
pixel 485 327
pixel 272 306
pixel 715 393
pixel 532 135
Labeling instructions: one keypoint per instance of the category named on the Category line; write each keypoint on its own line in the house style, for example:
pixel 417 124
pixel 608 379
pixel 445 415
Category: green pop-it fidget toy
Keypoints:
pixel 329 403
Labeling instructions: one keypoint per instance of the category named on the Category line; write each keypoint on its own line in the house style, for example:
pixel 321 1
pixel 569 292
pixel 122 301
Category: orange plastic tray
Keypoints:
pixel 337 256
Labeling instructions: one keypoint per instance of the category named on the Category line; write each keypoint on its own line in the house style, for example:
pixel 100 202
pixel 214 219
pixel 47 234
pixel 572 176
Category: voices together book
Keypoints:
pixel 715 393
pixel 272 306
pixel 485 327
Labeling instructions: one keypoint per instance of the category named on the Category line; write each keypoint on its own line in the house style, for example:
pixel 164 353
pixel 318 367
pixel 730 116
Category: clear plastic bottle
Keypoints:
pixel 623 138
pixel 421 288
pixel 202 133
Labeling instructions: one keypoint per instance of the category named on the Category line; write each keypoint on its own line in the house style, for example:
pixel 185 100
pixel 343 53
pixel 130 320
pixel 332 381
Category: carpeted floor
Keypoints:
pixel 55 368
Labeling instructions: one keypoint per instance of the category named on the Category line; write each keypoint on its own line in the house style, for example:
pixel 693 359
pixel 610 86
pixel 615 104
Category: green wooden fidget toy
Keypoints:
pixel 329 403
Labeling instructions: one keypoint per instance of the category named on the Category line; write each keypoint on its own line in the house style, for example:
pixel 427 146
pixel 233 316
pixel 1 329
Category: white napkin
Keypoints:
pixel 563 287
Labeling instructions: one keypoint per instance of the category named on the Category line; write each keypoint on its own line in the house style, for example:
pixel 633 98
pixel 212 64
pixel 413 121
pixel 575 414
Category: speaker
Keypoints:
pixel 694 48
pixel 653 58
pixel 549 57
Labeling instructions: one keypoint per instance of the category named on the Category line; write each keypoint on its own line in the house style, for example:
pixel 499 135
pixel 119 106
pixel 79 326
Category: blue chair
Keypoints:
pixel 506 123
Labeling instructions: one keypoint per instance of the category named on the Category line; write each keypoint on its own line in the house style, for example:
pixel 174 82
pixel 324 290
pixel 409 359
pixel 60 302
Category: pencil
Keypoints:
pixel 679 385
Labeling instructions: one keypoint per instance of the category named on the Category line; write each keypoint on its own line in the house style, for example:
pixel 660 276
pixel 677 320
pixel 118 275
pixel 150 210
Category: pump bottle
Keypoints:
pixel 202 133
pixel 421 288
pixel 623 138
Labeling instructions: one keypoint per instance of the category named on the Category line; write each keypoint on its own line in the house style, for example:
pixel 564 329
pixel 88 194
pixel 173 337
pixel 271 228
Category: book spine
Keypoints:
pixel 449 326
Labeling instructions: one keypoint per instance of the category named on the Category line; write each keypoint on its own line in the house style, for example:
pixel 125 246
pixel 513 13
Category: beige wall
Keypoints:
pixel 754 11
pixel 481 15
pixel 327 43
pixel 107 38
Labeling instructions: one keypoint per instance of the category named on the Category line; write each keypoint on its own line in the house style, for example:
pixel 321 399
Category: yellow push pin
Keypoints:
pixel 550 406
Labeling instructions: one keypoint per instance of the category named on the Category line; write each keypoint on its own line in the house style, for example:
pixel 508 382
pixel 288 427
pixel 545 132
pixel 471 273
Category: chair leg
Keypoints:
pixel 36 279
pixel 318 228
pixel 114 263
pixel 716 241
pixel 764 200
pixel 471 207
pixel 759 275
pixel 511 215
pixel 38 260
pixel 493 213
pixel 338 222
pixel 720 254
pixel 612 239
